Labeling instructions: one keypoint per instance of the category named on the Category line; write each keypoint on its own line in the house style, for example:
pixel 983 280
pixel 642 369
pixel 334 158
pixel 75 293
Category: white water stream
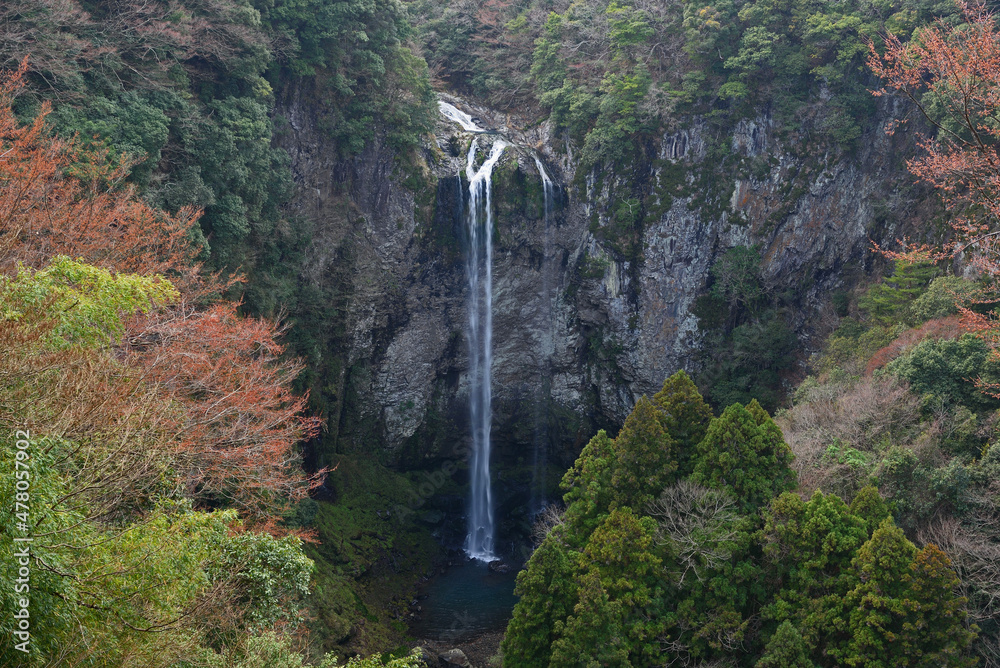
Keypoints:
pixel 540 445
pixel 479 542
pixel 479 268
pixel 455 114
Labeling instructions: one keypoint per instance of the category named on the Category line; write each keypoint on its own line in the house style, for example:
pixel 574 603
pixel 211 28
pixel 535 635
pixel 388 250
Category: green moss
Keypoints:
pixel 534 198
pixel 671 182
pixel 368 559
pixel 593 267
pixel 510 192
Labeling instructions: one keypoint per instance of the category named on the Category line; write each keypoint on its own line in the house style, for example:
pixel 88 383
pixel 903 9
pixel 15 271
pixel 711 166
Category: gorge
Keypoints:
pixel 580 329
pixel 373 307
pixel 618 323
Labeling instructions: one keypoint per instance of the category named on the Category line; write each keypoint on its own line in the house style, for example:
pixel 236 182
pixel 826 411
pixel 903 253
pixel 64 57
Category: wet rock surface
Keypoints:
pixel 498 566
pixel 482 651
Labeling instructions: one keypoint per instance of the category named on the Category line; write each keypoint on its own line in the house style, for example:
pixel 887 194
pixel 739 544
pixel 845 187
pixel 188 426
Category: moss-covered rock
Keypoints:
pixel 371 551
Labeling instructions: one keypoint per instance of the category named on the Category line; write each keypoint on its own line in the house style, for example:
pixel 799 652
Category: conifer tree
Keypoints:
pixel 786 649
pixel 644 458
pixel 548 591
pixel 808 551
pixel 588 487
pixel 610 625
pixel 744 450
pixel 593 636
pixel 869 505
pixel 760 416
pixel 685 416
pixel 903 612
pixel 888 301
pixel 821 536
pixel 939 631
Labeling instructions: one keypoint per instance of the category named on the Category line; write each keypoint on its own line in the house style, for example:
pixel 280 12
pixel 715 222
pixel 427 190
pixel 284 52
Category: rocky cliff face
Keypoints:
pixel 581 329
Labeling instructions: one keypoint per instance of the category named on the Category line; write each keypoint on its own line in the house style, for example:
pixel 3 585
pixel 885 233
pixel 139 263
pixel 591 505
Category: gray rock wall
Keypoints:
pixel 577 325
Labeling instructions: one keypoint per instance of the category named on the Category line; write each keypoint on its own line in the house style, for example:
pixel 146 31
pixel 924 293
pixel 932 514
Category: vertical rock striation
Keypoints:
pixel 580 330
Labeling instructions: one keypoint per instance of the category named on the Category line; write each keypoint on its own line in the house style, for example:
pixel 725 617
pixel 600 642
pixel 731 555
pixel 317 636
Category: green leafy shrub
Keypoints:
pixel 940 298
pixel 89 303
pixel 946 370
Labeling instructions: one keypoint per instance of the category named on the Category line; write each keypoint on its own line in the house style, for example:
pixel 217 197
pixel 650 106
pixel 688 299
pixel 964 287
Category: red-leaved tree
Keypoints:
pixel 194 381
pixel 952 74
pixel 950 327
pixel 57 197
pixel 234 436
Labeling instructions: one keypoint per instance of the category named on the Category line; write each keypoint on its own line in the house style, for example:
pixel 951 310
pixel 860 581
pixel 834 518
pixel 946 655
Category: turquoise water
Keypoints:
pixel 465 602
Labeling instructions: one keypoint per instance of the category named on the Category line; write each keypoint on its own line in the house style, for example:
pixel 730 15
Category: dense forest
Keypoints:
pixel 199 304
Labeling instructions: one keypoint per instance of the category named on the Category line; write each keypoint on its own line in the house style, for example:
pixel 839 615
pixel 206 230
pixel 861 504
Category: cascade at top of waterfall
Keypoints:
pixel 486 169
pixel 455 114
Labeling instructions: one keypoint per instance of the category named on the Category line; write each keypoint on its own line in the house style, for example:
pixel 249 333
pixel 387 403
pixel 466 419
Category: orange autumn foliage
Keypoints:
pixel 952 75
pixel 238 422
pixel 59 198
pixel 200 391
pixel 942 328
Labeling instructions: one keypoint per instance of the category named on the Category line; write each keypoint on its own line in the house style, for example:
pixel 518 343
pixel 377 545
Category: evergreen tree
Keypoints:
pixel 620 549
pixel 611 624
pixel 709 617
pixel 548 592
pixel 820 536
pixel 869 505
pixel 593 635
pixel 904 611
pixel 808 551
pixel 948 369
pixel 685 416
pixel 744 450
pixel 786 649
pixel 939 632
pixel 760 416
pixel 588 487
pixel 889 301
pixel 644 458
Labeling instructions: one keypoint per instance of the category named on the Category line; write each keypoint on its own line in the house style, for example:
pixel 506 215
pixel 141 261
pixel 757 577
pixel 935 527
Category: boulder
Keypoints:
pixel 454 657
pixel 498 566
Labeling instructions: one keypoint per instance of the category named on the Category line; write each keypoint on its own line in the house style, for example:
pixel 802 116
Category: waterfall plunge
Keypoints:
pixel 541 432
pixel 479 542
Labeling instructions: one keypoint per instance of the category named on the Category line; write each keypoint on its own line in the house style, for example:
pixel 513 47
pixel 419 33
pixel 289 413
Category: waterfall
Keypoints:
pixel 455 114
pixel 479 542
pixel 546 186
pixel 541 430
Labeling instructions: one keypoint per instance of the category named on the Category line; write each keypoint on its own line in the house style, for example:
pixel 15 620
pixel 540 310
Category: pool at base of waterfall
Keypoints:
pixel 465 601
